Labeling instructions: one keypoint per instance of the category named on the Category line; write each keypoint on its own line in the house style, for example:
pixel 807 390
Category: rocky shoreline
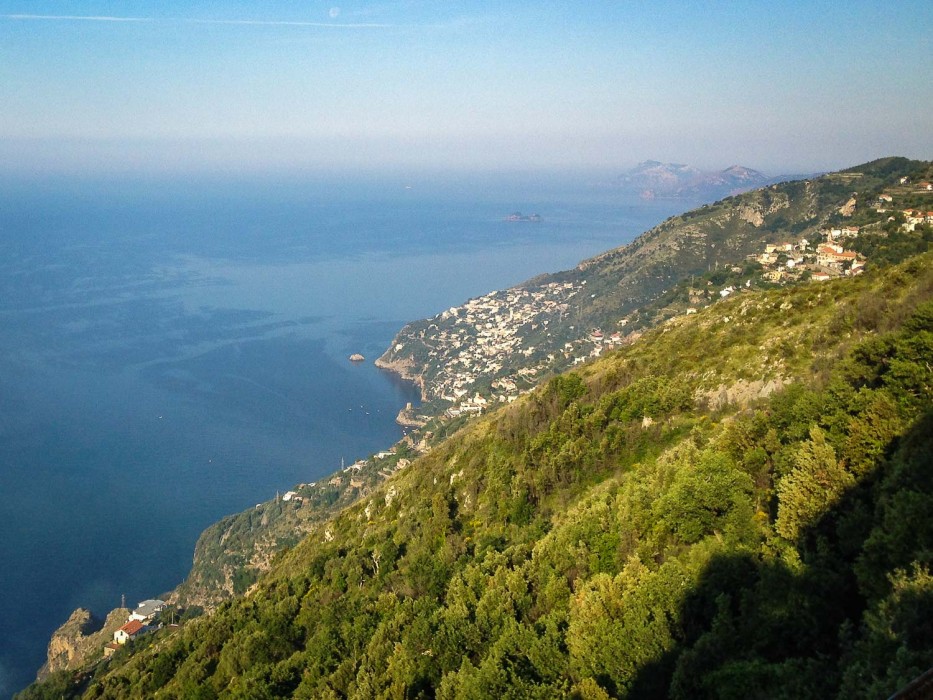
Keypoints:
pixel 408 419
pixel 403 368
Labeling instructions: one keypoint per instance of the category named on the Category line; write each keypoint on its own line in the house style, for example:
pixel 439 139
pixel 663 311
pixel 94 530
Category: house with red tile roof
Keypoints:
pixel 129 631
pixel 829 255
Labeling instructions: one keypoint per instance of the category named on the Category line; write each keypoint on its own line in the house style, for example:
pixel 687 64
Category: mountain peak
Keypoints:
pixel 652 178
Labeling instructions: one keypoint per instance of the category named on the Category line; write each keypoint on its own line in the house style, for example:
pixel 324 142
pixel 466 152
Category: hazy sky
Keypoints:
pixel 273 84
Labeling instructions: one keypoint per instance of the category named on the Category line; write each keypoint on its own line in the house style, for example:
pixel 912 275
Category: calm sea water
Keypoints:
pixel 174 351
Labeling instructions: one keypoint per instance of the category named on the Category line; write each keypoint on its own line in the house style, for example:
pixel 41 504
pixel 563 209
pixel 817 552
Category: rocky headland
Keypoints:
pixel 80 640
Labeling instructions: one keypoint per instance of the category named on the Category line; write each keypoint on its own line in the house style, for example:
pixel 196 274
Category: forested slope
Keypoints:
pixel 230 554
pixel 740 504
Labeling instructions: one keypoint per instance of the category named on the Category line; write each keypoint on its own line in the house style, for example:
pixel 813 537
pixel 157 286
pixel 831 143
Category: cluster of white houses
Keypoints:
pixel 473 341
pixel 825 260
pixel 480 336
pixel 916 217
pixel 142 620
pixel 912 217
pixel 830 258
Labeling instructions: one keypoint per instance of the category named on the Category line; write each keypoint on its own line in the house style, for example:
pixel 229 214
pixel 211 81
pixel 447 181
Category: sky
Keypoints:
pixel 784 87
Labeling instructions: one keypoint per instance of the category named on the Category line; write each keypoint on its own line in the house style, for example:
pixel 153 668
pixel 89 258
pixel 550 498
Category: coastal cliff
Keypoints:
pixel 80 640
pixel 393 361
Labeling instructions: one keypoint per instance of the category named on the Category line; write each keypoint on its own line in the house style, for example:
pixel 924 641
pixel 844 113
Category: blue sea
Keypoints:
pixel 175 349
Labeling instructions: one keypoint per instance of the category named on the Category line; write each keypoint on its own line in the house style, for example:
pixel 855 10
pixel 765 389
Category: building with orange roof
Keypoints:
pixel 131 630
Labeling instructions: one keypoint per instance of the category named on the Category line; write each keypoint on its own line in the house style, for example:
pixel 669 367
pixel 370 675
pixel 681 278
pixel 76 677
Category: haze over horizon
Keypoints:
pixel 107 87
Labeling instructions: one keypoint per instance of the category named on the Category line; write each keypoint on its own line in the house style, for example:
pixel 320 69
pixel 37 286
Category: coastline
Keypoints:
pixel 72 646
pixel 406 416
pixel 403 369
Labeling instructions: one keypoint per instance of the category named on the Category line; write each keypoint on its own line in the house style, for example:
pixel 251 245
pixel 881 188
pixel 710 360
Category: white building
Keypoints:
pixel 147 610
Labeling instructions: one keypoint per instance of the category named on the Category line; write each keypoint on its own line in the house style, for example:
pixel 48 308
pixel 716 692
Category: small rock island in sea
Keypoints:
pixel 356 357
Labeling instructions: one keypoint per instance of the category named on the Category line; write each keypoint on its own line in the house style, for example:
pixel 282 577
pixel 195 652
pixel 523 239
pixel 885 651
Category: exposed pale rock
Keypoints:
pixel 742 392
pixel 80 640
pixel 752 215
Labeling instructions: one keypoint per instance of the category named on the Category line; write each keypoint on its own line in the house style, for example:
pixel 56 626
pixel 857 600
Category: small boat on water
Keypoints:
pixel 518 216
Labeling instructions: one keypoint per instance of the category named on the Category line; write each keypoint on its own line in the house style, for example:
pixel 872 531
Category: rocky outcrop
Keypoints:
pixel 80 640
pixel 848 208
pixel 751 215
pixel 742 393
pixel 402 366
pixel 407 418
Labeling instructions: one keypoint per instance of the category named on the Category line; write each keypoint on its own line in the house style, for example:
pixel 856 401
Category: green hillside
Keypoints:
pixel 515 337
pixel 739 504
pixel 230 554
pixel 722 234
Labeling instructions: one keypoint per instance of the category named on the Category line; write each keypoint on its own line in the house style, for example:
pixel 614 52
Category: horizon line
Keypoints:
pixel 183 20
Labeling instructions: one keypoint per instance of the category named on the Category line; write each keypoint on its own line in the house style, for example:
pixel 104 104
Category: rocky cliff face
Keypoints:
pixel 394 361
pixel 80 640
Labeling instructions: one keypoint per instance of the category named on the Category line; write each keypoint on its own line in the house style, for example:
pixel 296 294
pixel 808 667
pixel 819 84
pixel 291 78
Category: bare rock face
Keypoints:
pixel 80 640
pixel 742 393
pixel 848 208
pixel 63 646
pixel 752 215
pixel 404 366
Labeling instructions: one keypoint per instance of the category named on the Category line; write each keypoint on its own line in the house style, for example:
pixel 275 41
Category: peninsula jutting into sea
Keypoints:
pixel 717 438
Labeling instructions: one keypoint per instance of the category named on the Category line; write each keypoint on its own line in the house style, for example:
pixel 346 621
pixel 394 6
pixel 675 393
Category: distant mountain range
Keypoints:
pixel 655 179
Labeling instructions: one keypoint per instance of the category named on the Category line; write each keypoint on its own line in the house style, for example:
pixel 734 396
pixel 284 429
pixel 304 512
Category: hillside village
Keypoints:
pixel 819 261
pixel 470 349
pixel 474 341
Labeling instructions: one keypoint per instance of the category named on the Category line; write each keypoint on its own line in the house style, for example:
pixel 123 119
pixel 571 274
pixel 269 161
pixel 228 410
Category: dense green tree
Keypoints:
pixel 816 483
